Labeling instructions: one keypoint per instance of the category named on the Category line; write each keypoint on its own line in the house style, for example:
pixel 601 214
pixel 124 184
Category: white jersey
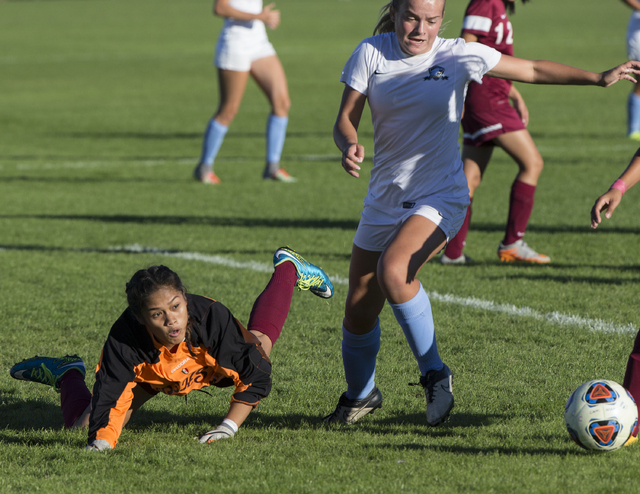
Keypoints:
pixel 416 104
pixel 234 27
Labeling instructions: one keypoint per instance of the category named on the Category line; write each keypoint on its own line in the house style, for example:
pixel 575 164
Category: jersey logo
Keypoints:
pixel 436 73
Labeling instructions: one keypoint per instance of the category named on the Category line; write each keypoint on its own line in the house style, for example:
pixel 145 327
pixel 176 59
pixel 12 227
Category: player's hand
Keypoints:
pixel 625 71
pixel 521 108
pixel 223 431
pixel 270 17
pixel 98 445
pixel 352 156
pixel 607 202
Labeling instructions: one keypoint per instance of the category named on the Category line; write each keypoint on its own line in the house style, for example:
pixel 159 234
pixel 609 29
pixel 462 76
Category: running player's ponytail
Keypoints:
pixel 385 24
pixel 145 282
pixel 510 7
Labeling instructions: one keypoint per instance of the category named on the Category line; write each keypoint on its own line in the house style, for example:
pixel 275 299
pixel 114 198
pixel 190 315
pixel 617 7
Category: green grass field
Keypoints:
pixel 102 109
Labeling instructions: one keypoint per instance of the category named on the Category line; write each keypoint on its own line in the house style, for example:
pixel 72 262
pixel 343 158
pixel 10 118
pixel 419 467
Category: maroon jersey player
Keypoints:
pixel 496 115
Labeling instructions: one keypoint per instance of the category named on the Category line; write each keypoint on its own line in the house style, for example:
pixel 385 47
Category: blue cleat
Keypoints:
pixel 310 277
pixel 47 370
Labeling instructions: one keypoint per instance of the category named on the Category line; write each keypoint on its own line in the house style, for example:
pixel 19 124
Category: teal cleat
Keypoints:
pixel 47 370
pixel 310 277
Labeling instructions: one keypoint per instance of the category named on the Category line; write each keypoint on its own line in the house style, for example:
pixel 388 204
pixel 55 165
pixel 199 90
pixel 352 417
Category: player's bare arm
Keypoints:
pixel 345 130
pixel 517 101
pixel 548 72
pixel 269 16
pixel 609 201
pixel 634 4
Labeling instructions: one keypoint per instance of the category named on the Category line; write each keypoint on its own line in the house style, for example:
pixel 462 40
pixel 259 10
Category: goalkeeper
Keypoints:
pixel 168 341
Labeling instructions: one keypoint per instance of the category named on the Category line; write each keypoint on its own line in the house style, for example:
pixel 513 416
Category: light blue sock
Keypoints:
pixel 416 321
pixel 633 113
pixel 359 354
pixel 213 137
pixel 276 132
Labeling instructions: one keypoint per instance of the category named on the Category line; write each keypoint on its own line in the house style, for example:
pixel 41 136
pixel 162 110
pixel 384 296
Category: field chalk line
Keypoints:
pixel 557 318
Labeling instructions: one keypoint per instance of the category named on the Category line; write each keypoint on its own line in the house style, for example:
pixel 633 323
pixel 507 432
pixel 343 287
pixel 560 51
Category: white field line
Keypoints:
pixel 471 302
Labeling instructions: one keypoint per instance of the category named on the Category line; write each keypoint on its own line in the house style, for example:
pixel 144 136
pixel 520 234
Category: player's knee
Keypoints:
pixel 281 105
pixel 393 279
pixel 227 113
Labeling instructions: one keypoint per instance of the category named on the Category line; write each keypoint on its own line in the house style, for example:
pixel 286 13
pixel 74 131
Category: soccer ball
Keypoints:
pixel 601 415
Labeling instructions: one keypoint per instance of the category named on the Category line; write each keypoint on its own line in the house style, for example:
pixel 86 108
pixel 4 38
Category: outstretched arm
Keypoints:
pixel 634 4
pixel 548 72
pixel 269 16
pixel 609 201
pixel 345 130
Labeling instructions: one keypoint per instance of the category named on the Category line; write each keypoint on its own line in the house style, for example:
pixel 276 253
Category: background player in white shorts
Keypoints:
pixel 415 83
pixel 244 50
pixel 633 52
pixel 489 120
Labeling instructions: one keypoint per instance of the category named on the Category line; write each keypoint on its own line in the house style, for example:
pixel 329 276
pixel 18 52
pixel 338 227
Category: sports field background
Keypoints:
pixel 102 109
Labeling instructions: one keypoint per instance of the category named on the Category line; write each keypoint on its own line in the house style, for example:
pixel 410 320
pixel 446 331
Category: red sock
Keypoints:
pixel 520 206
pixel 632 375
pixel 457 243
pixel 74 396
pixel 271 308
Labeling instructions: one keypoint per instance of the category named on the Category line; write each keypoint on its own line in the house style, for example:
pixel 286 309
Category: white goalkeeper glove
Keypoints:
pixel 227 429
pixel 98 445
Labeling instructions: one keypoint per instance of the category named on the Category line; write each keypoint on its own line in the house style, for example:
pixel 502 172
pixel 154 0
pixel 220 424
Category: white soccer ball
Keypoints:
pixel 601 415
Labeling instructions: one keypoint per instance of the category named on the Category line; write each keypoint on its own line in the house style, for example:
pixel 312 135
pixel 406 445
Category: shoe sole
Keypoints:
pixel 508 257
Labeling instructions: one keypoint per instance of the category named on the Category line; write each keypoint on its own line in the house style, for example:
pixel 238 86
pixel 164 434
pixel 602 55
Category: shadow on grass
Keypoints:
pixel 20 418
pixel 499 228
pixel 196 220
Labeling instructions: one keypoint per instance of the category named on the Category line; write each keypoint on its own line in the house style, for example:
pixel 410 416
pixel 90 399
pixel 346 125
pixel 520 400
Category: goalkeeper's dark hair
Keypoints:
pixel 511 6
pixel 145 282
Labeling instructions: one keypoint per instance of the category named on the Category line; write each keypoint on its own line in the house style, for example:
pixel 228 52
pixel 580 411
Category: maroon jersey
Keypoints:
pixel 487 109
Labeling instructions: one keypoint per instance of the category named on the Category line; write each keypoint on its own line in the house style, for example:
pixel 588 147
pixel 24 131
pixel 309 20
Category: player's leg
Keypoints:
pixel 475 160
pixel 633 113
pixel 360 339
pixel 232 85
pixel 271 308
pixel 417 241
pixel 65 375
pixel 520 146
pixel 270 77
pixel 141 394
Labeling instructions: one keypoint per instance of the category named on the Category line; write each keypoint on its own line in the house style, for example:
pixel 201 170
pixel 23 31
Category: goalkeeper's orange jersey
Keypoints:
pixel 223 354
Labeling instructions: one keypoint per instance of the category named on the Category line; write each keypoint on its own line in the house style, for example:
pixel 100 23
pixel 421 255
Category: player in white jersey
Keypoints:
pixel 244 50
pixel 633 52
pixel 415 83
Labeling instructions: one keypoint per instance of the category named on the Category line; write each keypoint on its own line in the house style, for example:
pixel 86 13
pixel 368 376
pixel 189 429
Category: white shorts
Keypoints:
pixel 237 51
pixel 633 37
pixel 377 228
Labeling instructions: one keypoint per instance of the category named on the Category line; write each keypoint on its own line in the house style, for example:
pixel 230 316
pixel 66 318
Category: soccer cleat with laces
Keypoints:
pixel 280 175
pixel 47 370
pixel 438 389
pixel 203 173
pixel 519 251
pixel 349 411
pixel 310 277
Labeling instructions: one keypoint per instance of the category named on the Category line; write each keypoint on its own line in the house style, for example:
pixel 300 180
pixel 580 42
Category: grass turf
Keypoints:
pixel 103 109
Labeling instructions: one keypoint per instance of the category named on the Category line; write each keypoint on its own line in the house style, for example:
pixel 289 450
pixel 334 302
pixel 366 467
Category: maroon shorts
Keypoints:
pixel 486 118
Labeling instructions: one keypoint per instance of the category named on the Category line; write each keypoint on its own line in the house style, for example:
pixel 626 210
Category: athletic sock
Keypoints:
pixel 416 321
pixel 276 133
pixel 633 113
pixel 213 137
pixel 359 353
pixel 271 308
pixel 520 207
pixel 457 243
pixel 75 397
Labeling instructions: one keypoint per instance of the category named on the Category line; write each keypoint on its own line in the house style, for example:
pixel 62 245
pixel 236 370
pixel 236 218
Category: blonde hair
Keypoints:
pixel 385 24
